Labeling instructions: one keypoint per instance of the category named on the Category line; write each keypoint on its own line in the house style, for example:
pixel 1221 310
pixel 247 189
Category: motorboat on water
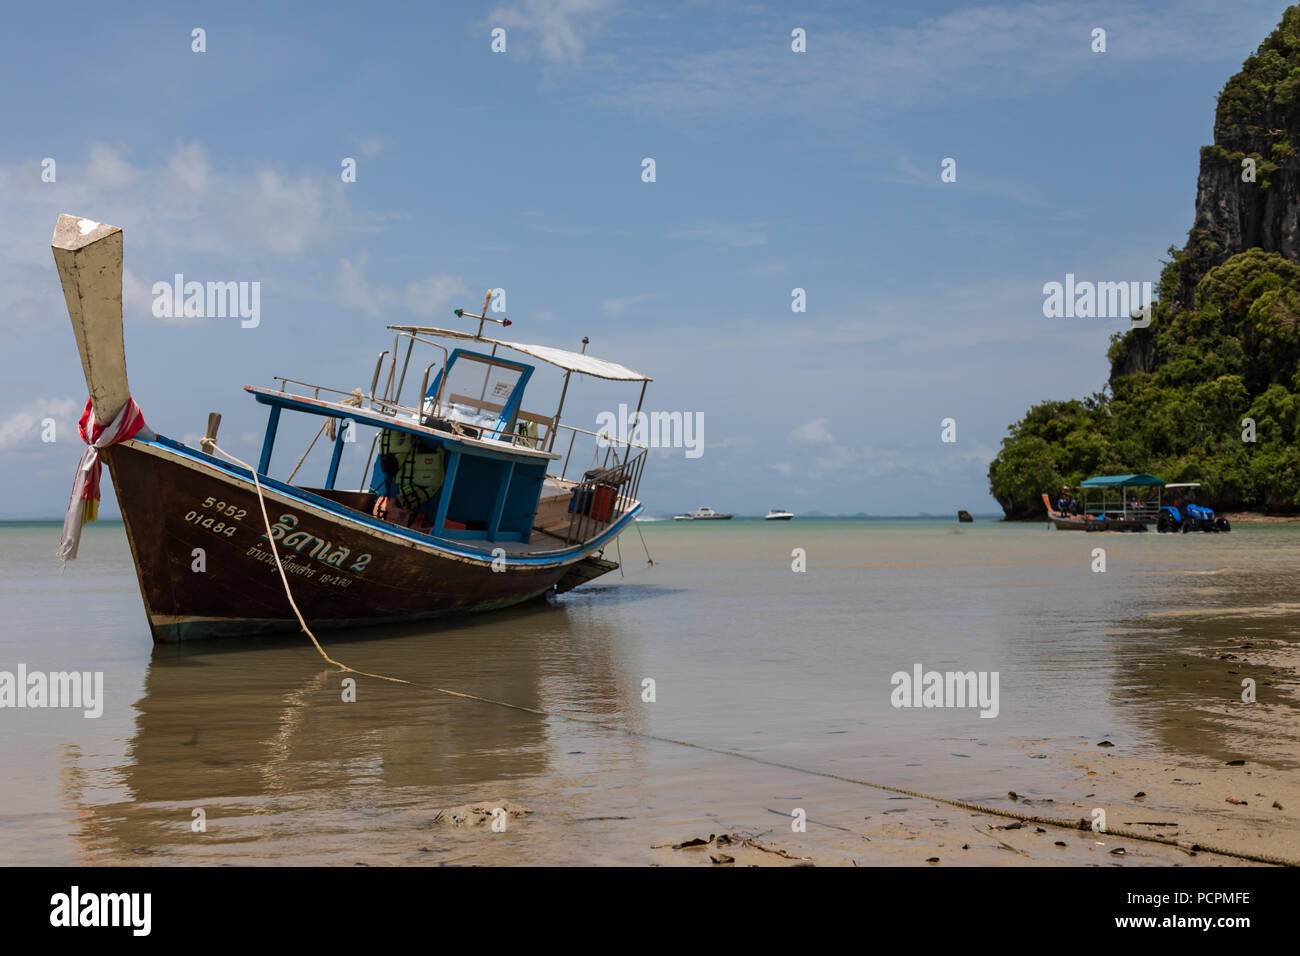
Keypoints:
pixel 703 513
pixel 778 514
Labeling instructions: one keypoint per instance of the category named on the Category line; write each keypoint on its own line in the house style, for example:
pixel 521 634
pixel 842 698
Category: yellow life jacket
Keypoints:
pixel 415 470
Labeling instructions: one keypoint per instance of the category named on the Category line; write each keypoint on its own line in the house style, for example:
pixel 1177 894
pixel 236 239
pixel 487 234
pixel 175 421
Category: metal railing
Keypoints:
pixel 613 473
pixel 388 402
pixel 608 487
pixel 315 389
pixel 1120 507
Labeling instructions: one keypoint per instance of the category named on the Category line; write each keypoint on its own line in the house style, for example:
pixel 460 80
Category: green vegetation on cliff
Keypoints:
pixel 1224 341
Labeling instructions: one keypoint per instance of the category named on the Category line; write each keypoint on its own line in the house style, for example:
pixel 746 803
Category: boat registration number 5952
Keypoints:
pixel 221 508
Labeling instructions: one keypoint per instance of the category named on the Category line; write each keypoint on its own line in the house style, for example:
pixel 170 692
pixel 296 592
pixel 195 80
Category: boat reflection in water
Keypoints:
pixel 285 771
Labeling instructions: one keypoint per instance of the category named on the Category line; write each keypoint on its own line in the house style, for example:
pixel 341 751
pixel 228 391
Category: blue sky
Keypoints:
pixel 522 170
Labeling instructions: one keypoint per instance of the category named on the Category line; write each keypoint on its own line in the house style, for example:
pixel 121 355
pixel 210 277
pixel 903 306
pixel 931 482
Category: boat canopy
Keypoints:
pixel 569 361
pixel 1121 481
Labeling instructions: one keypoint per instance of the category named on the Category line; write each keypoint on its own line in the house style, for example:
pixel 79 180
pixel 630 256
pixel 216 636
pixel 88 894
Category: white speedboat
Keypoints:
pixel 778 514
pixel 702 513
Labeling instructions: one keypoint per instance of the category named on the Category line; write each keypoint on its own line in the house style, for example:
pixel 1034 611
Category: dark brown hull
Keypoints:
pixel 343 570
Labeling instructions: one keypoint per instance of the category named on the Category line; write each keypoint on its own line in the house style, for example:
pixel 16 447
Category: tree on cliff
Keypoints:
pixel 1223 346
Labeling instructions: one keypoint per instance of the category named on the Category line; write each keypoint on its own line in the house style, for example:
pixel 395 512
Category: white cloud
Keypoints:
pixel 739 442
pixel 432 294
pixel 617 306
pixel 354 291
pixel 912 175
pixel 176 205
pixel 283 213
pixel 137 300
pixel 425 297
pixel 189 164
pixel 109 168
pixel 726 234
pixel 21 430
pixel 561 27
pixel 994 50
pixel 1003 310
pixel 814 432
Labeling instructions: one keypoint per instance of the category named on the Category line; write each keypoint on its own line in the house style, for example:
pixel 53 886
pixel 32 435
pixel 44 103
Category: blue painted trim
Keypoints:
pixel 444 495
pixel 365 521
pixel 268 443
pixel 337 455
pixel 503 486
pixel 504 453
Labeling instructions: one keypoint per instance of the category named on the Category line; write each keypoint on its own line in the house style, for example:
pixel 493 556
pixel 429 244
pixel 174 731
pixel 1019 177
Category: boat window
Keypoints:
pixel 475 392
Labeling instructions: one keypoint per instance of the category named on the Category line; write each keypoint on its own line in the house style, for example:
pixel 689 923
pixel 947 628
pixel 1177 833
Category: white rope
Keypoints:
pixel 210 445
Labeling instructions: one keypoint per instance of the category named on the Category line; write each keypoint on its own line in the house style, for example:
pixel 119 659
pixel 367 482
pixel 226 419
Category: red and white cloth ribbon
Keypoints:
pixel 83 506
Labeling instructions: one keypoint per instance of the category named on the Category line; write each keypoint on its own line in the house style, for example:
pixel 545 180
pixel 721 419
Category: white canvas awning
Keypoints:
pixel 569 361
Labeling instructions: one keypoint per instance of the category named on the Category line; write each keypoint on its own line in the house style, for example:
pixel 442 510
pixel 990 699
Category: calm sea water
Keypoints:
pixel 746 655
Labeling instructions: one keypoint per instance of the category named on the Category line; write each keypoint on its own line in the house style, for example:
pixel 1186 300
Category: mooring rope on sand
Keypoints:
pixel 210 445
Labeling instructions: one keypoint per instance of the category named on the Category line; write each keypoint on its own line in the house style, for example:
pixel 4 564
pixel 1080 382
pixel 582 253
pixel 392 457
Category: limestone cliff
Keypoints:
pixel 1210 391
pixel 1257 118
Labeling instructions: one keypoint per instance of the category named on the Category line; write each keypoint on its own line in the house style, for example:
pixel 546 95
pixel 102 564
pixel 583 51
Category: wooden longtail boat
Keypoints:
pixel 1098 512
pixel 488 527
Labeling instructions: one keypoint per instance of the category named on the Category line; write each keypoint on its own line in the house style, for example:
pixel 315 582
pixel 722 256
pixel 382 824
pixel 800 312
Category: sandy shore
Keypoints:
pixel 1247 801
pixel 1188 804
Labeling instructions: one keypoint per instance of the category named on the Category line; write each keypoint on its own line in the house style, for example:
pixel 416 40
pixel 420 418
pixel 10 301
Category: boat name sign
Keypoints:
pixel 290 539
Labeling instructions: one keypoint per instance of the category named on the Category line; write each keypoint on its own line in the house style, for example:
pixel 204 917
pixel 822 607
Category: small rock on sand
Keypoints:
pixel 472 815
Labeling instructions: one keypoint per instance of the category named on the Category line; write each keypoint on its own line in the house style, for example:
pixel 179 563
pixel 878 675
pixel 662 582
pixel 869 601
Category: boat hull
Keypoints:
pixel 1065 523
pixel 207 571
pixel 1069 522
